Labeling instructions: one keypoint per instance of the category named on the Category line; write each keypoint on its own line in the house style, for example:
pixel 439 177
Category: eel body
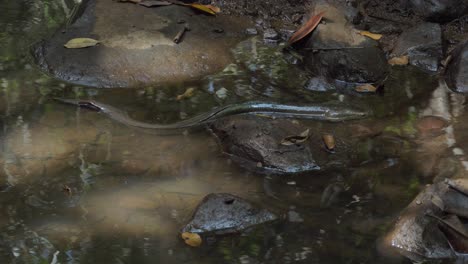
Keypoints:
pixel 313 112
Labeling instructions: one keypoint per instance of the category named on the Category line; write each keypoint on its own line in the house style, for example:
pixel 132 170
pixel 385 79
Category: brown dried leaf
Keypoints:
pixel 296 139
pixel 192 239
pixel 371 35
pixel 153 3
pixel 187 94
pixel 402 60
pixel 306 29
pixel 366 88
pixel 329 141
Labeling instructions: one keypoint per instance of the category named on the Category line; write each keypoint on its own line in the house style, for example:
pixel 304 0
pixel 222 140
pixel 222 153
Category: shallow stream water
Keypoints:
pixel 76 187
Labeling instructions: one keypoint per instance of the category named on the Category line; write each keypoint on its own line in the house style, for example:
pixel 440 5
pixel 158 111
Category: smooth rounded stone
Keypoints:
pixel 439 10
pixel 255 144
pixel 136 45
pixel 422 44
pixel 251 31
pixel 457 70
pixel 319 84
pixel 338 52
pixel 223 213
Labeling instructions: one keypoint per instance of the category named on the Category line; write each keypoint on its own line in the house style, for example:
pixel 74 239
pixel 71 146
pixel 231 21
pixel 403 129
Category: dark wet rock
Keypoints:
pixel 338 52
pixel 422 44
pixel 271 35
pixel 417 233
pixel 457 70
pixel 455 32
pixel 224 213
pixel 439 10
pixel 254 143
pixel 319 84
pixel 137 45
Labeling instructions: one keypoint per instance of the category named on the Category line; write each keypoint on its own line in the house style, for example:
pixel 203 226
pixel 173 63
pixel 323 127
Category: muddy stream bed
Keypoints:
pixel 78 187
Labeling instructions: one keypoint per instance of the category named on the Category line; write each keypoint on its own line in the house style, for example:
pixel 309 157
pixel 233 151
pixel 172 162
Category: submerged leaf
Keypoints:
pixel 78 43
pixel 329 141
pixel 152 3
pixel 368 34
pixel 192 239
pixel 187 94
pixel 366 88
pixel 306 29
pixel 402 60
pixel 296 139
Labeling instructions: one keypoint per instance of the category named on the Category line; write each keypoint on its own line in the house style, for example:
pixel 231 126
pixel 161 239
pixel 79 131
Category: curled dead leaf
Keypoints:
pixel 187 94
pixel 329 141
pixel 366 88
pixel 192 239
pixel 296 139
pixel 402 60
pixel 371 35
pixel 306 28
pixel 78 43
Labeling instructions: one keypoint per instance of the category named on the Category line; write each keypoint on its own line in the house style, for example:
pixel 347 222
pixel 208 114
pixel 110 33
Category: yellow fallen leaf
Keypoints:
pixel 187 94
pixel 402 60
pixel 368 34
pixel 203 8
pixel 78 43
pixel 366 88
pixel 214 8
pixel 192 239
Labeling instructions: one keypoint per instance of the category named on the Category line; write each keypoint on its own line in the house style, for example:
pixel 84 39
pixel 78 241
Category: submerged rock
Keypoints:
pixel 337 51
pixel 422 44
pixel 136 45
pixel 439 10
pixel 417 233
pixel 457 70
pixel 224 213
pixel 255 143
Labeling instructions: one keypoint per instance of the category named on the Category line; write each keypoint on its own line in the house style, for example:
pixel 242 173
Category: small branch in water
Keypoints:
pixel 180 35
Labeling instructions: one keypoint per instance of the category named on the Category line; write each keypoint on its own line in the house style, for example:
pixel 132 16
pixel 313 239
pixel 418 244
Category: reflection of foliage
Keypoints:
pixel 25 23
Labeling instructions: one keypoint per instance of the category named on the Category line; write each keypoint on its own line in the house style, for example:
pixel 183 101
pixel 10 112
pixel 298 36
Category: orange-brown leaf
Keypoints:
pixel 307 28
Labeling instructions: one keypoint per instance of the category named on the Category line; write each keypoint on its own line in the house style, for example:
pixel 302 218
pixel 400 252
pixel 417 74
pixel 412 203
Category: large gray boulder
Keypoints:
pixel 457 70
pixel 137 45
pixel 422 44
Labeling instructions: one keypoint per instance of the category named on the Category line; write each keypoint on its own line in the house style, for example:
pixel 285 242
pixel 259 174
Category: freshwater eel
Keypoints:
pixel 314 112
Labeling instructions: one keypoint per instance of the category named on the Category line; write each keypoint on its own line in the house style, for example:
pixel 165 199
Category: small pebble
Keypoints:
pixel 251 31
pixel 271 35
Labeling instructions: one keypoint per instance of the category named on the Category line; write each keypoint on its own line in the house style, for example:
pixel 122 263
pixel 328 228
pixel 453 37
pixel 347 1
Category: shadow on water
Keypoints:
pixel 88 190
